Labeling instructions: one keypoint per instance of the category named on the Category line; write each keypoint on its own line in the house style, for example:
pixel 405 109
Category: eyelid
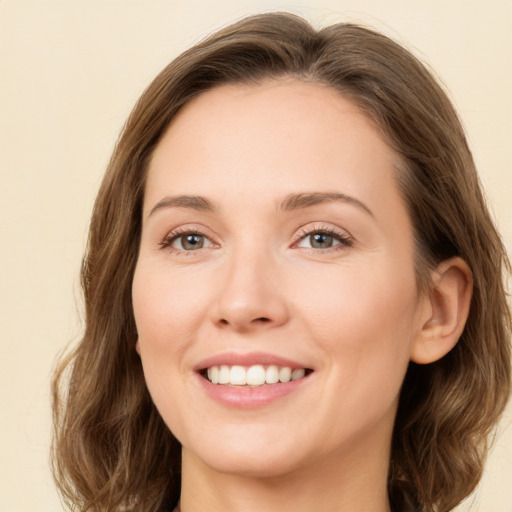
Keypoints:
pixel 342 235
pixel 188 229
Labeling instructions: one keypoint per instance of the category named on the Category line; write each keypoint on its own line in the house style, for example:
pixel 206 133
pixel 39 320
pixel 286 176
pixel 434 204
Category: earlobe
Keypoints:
pixel 450 299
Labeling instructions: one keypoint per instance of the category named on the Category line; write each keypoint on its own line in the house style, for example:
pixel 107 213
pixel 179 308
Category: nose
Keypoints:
pixel 250 296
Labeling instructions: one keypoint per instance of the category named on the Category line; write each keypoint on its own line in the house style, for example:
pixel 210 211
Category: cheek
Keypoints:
pixel 168 308
pixel 364 321
pixel 349 301
pixel 167 314
pixel 366 336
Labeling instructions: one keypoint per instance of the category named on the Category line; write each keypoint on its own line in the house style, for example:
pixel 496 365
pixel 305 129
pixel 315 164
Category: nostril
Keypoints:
pixel 244 321
pixel 262 320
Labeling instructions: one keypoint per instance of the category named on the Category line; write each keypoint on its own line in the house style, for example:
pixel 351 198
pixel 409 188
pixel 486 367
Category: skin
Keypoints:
pixel 350 312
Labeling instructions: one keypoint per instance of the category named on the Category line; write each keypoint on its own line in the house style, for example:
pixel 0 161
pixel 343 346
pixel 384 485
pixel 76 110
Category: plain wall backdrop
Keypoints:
pixel 70 74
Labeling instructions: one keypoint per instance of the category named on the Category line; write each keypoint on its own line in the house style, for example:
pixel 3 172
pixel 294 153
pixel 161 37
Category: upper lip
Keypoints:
pixel 247 359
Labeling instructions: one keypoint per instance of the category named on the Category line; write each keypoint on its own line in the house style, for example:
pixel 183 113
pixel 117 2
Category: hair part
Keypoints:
pixel 112 451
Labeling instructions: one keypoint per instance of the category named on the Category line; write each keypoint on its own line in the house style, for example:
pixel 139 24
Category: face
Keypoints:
pixel 275 246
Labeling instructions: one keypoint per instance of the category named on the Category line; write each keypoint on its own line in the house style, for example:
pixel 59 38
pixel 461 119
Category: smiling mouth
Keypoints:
pixel 253 376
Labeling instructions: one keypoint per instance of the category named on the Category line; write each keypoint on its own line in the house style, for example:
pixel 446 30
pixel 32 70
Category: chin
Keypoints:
pixel 251 465
pixel 258 457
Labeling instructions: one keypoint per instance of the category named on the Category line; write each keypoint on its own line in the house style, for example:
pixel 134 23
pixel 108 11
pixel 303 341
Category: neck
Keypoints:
pixel 324 485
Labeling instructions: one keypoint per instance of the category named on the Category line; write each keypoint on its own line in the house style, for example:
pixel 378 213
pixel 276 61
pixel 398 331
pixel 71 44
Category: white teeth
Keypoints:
pixel 255 375
pixel 285 374
pixel 223 374
pixel 238 376
pixel 298 373
pixel 214 374
pixel 272 375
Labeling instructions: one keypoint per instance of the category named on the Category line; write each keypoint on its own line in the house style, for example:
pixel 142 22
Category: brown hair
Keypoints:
pixel 112 450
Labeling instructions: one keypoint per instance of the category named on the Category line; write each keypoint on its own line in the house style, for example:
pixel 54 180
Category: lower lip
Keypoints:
pixel 247 397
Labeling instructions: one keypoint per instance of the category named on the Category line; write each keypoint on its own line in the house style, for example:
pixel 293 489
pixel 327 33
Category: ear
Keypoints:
pixel 137 346
pixel 450 299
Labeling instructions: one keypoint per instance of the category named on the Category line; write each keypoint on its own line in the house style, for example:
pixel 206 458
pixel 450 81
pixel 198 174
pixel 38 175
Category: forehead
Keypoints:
pixel 268 140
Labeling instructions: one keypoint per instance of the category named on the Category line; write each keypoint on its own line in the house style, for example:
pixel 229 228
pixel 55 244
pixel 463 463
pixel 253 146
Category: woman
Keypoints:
pixel 294 290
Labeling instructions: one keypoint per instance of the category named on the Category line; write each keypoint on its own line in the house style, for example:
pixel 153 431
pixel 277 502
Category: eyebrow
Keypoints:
pixel 291 203
pixel 304 200
pixel 194 202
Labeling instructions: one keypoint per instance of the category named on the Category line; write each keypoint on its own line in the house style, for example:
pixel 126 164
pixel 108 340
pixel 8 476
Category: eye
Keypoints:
pixel 324 239
pixel 186 241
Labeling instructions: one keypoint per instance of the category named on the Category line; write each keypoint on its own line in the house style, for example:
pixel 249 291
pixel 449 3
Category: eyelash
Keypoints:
pixel 171 237
pixel 344 239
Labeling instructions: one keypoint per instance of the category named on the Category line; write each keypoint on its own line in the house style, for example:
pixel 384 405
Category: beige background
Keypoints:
pixel 70 73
